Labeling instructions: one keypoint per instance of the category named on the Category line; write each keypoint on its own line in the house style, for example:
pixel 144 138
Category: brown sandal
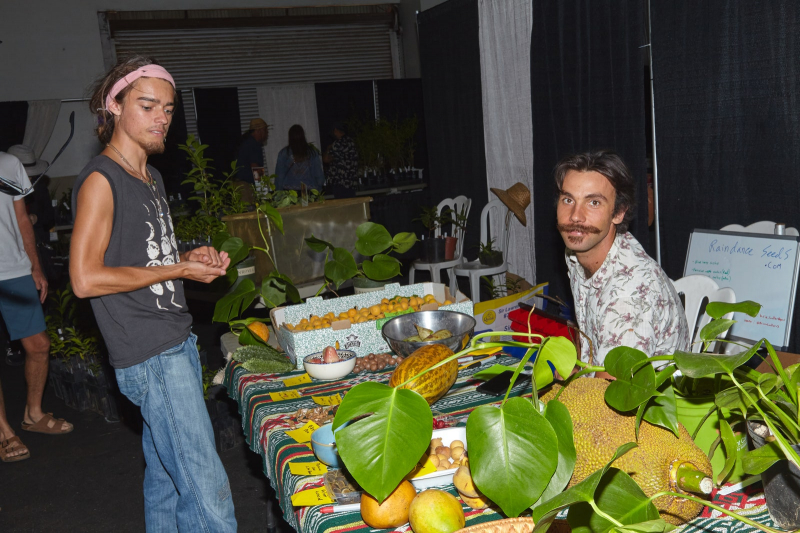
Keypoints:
pixel 47 424
pixel 8 446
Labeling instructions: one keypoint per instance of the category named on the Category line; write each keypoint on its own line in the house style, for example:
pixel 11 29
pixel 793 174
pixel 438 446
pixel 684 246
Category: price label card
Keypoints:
pixel 336 399
pixel 284 395
pixel 308 469
pixel 303 434
pixel 318 496
pixel 297 380
pixel 427 468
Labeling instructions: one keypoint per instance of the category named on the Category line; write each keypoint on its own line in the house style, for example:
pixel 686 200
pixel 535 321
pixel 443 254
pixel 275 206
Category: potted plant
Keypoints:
pixel 374 242
pixel 458 221
pixel 433 246
pixel 489 256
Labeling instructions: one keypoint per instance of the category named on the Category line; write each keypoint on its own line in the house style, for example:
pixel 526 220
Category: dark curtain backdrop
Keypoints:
pixel 449 56
pixel 13 117
pixel 402 99
pixel 727 96
pixel 341 102
pixel 587 93
pixel 218 125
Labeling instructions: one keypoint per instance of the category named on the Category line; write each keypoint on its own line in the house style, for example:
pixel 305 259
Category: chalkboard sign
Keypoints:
pixel 758 267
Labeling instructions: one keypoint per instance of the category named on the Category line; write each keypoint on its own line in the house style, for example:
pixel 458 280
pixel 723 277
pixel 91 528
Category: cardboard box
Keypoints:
pixel 492 315
pixel 364 338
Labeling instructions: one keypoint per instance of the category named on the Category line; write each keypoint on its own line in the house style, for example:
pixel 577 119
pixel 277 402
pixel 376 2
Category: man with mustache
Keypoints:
pixel 622 296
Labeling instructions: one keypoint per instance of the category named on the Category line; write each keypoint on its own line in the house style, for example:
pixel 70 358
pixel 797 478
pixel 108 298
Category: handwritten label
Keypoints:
pixel 308 469
pixel 284 395
pixel 303 434
pixel 297 380
pixel 306 498
pixel 336 399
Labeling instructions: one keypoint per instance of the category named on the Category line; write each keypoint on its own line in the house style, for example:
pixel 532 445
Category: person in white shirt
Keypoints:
pixel 622 296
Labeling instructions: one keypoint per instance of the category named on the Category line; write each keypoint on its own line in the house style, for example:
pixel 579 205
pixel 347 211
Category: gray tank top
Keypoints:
pixel 139 324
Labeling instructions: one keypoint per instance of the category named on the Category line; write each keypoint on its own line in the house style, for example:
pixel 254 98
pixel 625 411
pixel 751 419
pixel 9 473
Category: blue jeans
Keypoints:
pixel 185 485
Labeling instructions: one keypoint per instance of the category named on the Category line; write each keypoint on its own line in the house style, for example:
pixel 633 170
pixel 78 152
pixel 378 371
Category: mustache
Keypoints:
pixel 577 227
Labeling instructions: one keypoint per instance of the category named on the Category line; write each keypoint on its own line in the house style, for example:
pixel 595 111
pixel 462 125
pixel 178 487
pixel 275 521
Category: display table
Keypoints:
pixel 265 423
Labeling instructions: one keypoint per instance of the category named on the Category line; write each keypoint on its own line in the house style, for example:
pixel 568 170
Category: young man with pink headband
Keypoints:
pixel 124 257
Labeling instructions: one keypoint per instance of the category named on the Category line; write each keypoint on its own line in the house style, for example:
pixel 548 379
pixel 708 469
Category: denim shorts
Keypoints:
pixel 21 308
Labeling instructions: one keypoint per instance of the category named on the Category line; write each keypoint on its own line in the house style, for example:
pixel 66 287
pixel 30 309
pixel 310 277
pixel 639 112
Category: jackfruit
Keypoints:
pixel 599 430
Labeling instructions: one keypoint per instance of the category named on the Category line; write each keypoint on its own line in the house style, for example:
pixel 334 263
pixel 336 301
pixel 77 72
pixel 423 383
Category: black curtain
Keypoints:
pixel 218 125
pixel 340 102
pixel 727 88
pixel 400 100
pixel 13 117
pixel 587 93
pixel 172 164
pixel 449 56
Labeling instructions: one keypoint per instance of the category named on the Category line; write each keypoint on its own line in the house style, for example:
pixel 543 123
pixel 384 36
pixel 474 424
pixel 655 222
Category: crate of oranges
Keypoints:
pixel 356 321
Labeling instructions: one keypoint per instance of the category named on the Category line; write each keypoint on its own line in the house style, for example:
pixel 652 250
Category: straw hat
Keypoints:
pixel 257 123
pixel 517 198
pixel 25 154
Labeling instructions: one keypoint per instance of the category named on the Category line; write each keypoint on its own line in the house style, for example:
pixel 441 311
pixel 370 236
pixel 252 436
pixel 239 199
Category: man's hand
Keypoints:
pixel 205 264
pixel 41 283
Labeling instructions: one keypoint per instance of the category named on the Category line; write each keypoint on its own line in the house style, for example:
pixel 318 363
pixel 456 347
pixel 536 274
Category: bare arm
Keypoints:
pixel 29 242
pixel 90 237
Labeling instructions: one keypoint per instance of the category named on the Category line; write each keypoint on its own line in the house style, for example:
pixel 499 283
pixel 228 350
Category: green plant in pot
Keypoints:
pixel 488 255
pixel 433 246
pixel 374 242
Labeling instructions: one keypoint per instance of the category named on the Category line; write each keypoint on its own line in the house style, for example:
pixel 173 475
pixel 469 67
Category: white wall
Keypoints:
pixel 51 50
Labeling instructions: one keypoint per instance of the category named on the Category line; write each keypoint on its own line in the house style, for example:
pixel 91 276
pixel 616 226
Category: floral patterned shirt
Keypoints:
pixel 629 301
pixel 343 169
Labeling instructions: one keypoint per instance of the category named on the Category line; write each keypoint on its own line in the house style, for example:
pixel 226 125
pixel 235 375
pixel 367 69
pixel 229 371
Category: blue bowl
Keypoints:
pixel 324 445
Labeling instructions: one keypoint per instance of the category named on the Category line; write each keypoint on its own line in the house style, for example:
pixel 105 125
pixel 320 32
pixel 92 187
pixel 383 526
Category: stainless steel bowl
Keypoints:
pixel 401 327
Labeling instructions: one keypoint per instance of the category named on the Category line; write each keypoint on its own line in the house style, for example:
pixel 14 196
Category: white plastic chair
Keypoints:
pixel 697 291
pixel 455 205
pixel 764 226
pixel 474 269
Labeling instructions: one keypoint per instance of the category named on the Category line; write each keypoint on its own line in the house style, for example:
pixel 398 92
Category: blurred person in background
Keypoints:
pixel 299 163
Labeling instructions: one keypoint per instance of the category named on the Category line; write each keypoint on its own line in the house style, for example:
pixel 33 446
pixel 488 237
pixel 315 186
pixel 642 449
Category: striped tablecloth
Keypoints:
pixel 265 423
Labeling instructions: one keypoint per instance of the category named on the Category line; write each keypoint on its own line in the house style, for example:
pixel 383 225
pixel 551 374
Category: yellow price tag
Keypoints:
pixel 336 399
pixel 284 395
pixel 303 434
pixel 308 469
pixel 318 496
pixel 486 351
pixel 297 380
pixel 419 471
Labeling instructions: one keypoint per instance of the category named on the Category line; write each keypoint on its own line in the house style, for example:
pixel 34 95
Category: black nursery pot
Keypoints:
pixel 781 488
pixel 434 250
pixel 492 260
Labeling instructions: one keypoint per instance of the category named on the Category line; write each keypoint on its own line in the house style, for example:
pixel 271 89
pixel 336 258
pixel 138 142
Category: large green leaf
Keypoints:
pixel 663 410
pixel 558 415
pixel 233 304
pixel 403 241
pixel 372 239
pixel 618 496
pixel 318 245
pixel 558 351
pixel 273 215
pixel 630 389
pixel 340 267
pixel 720 309
pixel 758 460
pixel 381 449
pixel 714 329
pixel 381 267
pixel 731 445
pixel 236 248
pixel 698 365
pixel 219 238
pixel 273 290
pixel 544 514
pixel 734 399
pixel 513 452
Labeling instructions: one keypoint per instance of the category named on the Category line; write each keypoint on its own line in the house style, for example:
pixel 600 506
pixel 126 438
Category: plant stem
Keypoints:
pixel 605 515
pixel 728 512
pixel 692 480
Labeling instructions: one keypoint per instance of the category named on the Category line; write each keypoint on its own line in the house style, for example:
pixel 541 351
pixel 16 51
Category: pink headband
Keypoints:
pixel 150 71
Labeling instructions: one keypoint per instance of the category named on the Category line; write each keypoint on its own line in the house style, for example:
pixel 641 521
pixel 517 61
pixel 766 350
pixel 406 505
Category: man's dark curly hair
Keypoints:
pixel 610 165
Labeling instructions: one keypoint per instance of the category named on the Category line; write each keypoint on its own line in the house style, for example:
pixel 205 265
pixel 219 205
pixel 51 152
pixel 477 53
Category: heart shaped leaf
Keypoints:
pixel 629 390
pixel 558 352
pixel 236 249
pixel 318 245
pixel 381 267
pixel 372 239
pixel 381 449
pixel 340 267
pixel 714 329
pixel 513 453
pixel 403 241
pixel 558 415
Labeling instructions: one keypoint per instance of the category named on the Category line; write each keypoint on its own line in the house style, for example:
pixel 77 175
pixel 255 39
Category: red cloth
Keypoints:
pixel 521 318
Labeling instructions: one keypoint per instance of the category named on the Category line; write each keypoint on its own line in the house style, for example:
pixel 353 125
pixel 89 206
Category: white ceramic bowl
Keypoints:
pixel 330 371
pixel 445 477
